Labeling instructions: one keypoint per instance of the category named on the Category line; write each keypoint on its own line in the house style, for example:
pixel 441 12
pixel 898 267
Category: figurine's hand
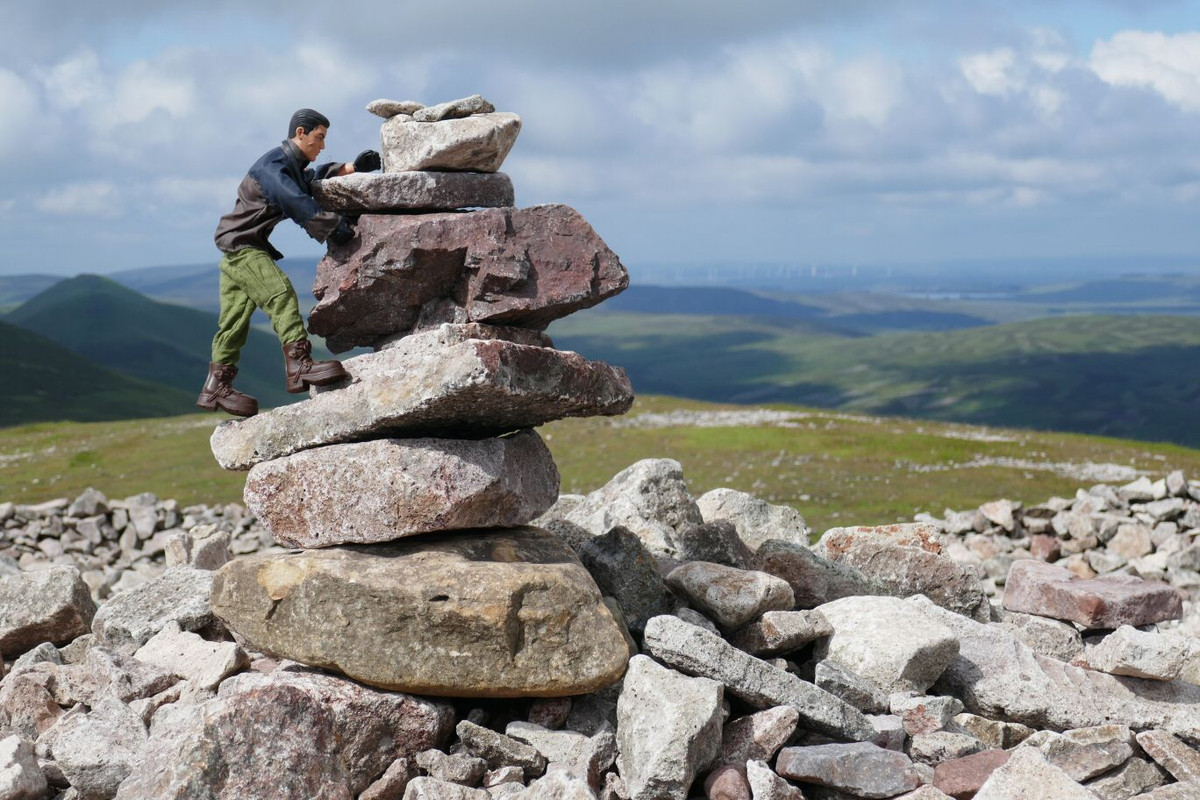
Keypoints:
pixel 343 233
pixel 367 161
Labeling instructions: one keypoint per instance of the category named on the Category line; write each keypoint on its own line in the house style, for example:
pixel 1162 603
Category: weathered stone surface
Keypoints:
pixel 392 783
pixel 887 641
pixel 861 769
pixel 202 663
pixel 994 733
pixel 180 595
pixel 731 597
pixel 476 143
pixel 558 785
pixel 387 489
pixel 454 109
pixel 624 569
pixel 814 580
pixel 284 735
pixel 1132 540
pixel 1050 637
pixel 50 605
pixel 1002 513
pixel 426 788
pixel 758 736
pixel 755 520
pixel 903 561
pixel 203 547
pixel 1107 602
pixel 500 613
pixel 778 632
pixel 96 751
pixel 390 108
pixel 499 750
pixel 1085 752
pixel 924 714
pixel 937 746
pixel 961 777
pixel 1128 651
pixel 1171 754
pixel 651 499
pixel 457 768
pixel 20 776
pixel 998 676
pixel 1135 776
pixel 766 785
pixel 374 193
pixel 698 652
pixel 668 730
pixel 727 783
pixel 1028 776
pixel 863 694
pixel 438 382
pixel 502 266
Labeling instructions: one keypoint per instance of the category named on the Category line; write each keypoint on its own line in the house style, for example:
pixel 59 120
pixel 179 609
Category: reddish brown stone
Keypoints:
pixel 961 777
pixel 727 783
pixel 507 266
pixel 1107 602
pixel 1044 547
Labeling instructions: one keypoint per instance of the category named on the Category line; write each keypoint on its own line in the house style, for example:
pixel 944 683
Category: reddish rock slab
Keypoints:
pixel 506 266
pixel 386 489
pixel 961 777
pixel 442 382
pixel 1173 755
pixel 1111 601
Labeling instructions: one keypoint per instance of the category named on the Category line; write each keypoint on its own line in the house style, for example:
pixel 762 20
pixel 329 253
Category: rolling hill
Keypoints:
pixel 1127 376
pixel 49 382
pixel 116 327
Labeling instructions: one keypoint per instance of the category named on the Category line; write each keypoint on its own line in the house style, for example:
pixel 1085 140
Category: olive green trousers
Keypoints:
pixel 251 279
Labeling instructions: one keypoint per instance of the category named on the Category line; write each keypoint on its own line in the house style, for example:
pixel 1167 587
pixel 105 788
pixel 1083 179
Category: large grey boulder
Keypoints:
pixel 888 642
pixel 998 676
pixel 1141 654
pixel 180 595
pixel 524 267
pixel 498 613
pixel 284 735
pixel 905 560
pixel 50 605
pixel 668 730
pixel 649 498
pixel 477 143
pixel 731 597
pixel 696 651
pixel 446 380
pixel 755 520
pixel 387 489
pixel 373 193
pixel 97 750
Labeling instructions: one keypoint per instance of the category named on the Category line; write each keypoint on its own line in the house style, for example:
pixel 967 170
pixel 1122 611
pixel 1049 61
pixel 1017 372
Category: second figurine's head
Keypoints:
pixel 307 129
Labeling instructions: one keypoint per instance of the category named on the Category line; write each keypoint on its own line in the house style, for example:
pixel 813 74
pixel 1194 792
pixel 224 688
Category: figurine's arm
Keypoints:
pixel 280 189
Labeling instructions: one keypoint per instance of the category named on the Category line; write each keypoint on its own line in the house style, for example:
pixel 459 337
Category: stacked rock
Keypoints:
pixel 431 436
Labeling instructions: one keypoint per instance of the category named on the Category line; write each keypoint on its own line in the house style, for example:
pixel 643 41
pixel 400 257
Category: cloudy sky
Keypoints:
pixel 687 131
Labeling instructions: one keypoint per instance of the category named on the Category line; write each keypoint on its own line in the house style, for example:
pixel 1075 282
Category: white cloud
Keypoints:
pixel 18 107
pixel 88 199
pixel 992 72
pixel 75 81
pixel 866 89
pixel 145 88
pixel 1169 65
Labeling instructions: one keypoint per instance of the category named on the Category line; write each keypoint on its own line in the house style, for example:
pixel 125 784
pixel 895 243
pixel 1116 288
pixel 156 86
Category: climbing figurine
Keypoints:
pixel 277 185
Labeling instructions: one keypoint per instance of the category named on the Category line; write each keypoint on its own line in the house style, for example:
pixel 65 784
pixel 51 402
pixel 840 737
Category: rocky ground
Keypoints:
pixel 1043 651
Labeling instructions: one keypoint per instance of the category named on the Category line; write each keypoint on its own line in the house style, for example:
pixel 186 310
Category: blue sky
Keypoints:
pixel 780 130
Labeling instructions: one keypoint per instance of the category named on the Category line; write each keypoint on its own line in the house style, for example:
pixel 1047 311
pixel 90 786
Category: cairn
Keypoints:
pixel 407 488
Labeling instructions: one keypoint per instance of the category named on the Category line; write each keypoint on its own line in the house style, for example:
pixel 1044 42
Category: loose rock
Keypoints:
pixel 732 597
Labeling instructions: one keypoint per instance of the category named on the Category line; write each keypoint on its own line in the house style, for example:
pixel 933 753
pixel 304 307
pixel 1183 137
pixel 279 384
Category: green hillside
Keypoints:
pixel 836 468
pixel 48 382
pixel 1127 376
pixel 116 327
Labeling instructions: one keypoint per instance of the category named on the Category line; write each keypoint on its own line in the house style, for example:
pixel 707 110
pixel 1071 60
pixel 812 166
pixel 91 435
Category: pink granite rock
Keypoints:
pixel 961 777
pixel 1107 602
pixel 506 266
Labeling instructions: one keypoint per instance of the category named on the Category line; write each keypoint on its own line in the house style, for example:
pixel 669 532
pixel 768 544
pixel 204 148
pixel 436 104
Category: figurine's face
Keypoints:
pixel 312 142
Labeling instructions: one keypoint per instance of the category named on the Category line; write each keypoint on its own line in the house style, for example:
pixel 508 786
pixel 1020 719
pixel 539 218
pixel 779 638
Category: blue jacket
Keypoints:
pixel 278 185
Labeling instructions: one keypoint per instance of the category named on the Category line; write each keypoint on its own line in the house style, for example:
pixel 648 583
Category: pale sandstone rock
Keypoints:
pixel 1028 776
pixel 475 143
pixel 731 597
pixel 778 632
pixel 51 605
pixel 1085 753
pixel 20 776
pixel 755 520
pixel 1174 756
pixel 1128 651
pixel 374 193
pixel 501 613
pixel 390 108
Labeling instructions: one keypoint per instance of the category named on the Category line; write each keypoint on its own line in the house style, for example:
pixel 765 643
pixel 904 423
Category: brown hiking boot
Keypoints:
pixel 218 392
pixel 303 372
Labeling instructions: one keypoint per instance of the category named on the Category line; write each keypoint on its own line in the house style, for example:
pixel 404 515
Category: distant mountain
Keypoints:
pixel 48 382
pixel 116 327
pixel 707 300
